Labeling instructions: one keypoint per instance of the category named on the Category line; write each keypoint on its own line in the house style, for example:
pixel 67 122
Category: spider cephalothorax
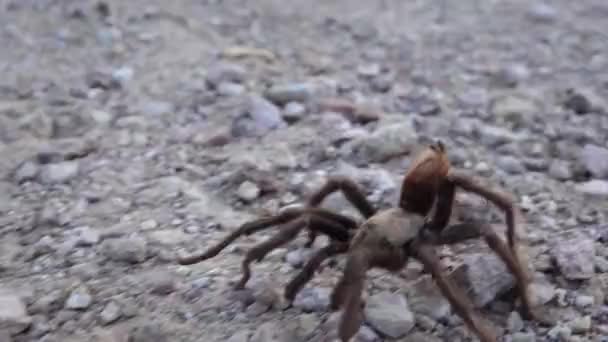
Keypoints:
pixel 388 238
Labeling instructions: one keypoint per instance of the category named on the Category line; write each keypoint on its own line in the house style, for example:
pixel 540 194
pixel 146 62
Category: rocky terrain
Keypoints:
pixel 133 130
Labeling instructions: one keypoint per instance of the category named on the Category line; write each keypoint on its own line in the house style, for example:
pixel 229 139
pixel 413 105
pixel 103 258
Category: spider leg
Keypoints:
pixel 455 296
pixel 308 271
pixel 349 189
pixel 464 231
pixel 347 293
pixel 259 251
pixel 316 220
pixel 247 228
pixel 501 200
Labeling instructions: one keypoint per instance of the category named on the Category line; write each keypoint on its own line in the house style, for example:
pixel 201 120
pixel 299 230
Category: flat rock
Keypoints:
pixel 575 257
pixel 13 313
pixel 425 298
pixel 484 276
pixel 390 314
pixel 595 160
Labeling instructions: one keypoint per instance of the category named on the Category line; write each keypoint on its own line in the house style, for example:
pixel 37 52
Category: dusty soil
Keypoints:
pixel 133 130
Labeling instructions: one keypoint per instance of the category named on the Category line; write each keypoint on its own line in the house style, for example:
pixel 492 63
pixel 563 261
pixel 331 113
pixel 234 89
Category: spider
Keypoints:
pixel 390 237
pixel 387 238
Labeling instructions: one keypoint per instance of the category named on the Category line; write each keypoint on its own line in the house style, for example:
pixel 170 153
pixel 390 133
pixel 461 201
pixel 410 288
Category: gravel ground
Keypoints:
pixel 133 130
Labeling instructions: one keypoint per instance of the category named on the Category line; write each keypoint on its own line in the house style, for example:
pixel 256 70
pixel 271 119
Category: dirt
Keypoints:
pixel 133 130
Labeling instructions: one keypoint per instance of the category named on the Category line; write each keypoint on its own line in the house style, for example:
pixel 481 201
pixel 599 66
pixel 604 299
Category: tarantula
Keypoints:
pixel 388 238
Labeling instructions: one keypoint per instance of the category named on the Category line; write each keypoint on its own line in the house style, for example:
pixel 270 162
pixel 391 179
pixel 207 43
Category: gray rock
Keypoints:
pixel 61 172
pixel 123 75
pixel 248 191
pixel 511 164
pixel 560 169
pixel 239 336
pixel 542 12
pixel 87 237
pixel 594 187
pixel 27 171
pixel 523 337
pixel 226 72
pixel 111 313
pixel 595 160
pixel 160 283
pixel 511 75
pixel 386 142
pixel 129 250
pixel 583 301
pixel 260 117
pixel 312 299
pixel 369 70
pixel 493 136
pixel 515 323
pixel 514 108
pixel 575 257
pixel 484 276
pixel 293 111
pixel 424 298
pixel 389 313
pixel 13 313
pixel 293 92
pixel 560 333
pixel 580 325
pixel 79 299
pixel 541 293
pixel 295 258
pixel 157 108
pixel 269 332
pixel 147 333
pixel 230 89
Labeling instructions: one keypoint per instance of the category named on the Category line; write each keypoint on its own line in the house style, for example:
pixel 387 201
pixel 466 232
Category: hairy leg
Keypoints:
pixel 308 271
pixel 347 293
pixel 460 232
pixel 255 226
pixel 247 228
pixel 258 252
pixel 349 189
pixel 501 200
pixel 456 297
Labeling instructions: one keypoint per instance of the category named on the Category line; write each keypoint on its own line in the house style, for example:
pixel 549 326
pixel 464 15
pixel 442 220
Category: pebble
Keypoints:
pixel 14 316
pixel 293 112
pixel 312 299
pixel 580 325
pixel 386 142
pixel 523 337
pixel 595 160
pixel 111 313
pixel 560 170
pixel 510 164
pixel 61 172
pixel 294 92
pixel 582 302
pixel 542 12
pixel 123 75
pixel 224 72
pixel 79 299
pixel 248 191
pixel 390 314
pixel 560 333
pixel 594 187
pixel 575 257
pixel 130 250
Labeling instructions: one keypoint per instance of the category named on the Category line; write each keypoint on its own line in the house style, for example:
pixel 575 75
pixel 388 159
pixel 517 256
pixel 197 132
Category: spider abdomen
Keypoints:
pixel 394 225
